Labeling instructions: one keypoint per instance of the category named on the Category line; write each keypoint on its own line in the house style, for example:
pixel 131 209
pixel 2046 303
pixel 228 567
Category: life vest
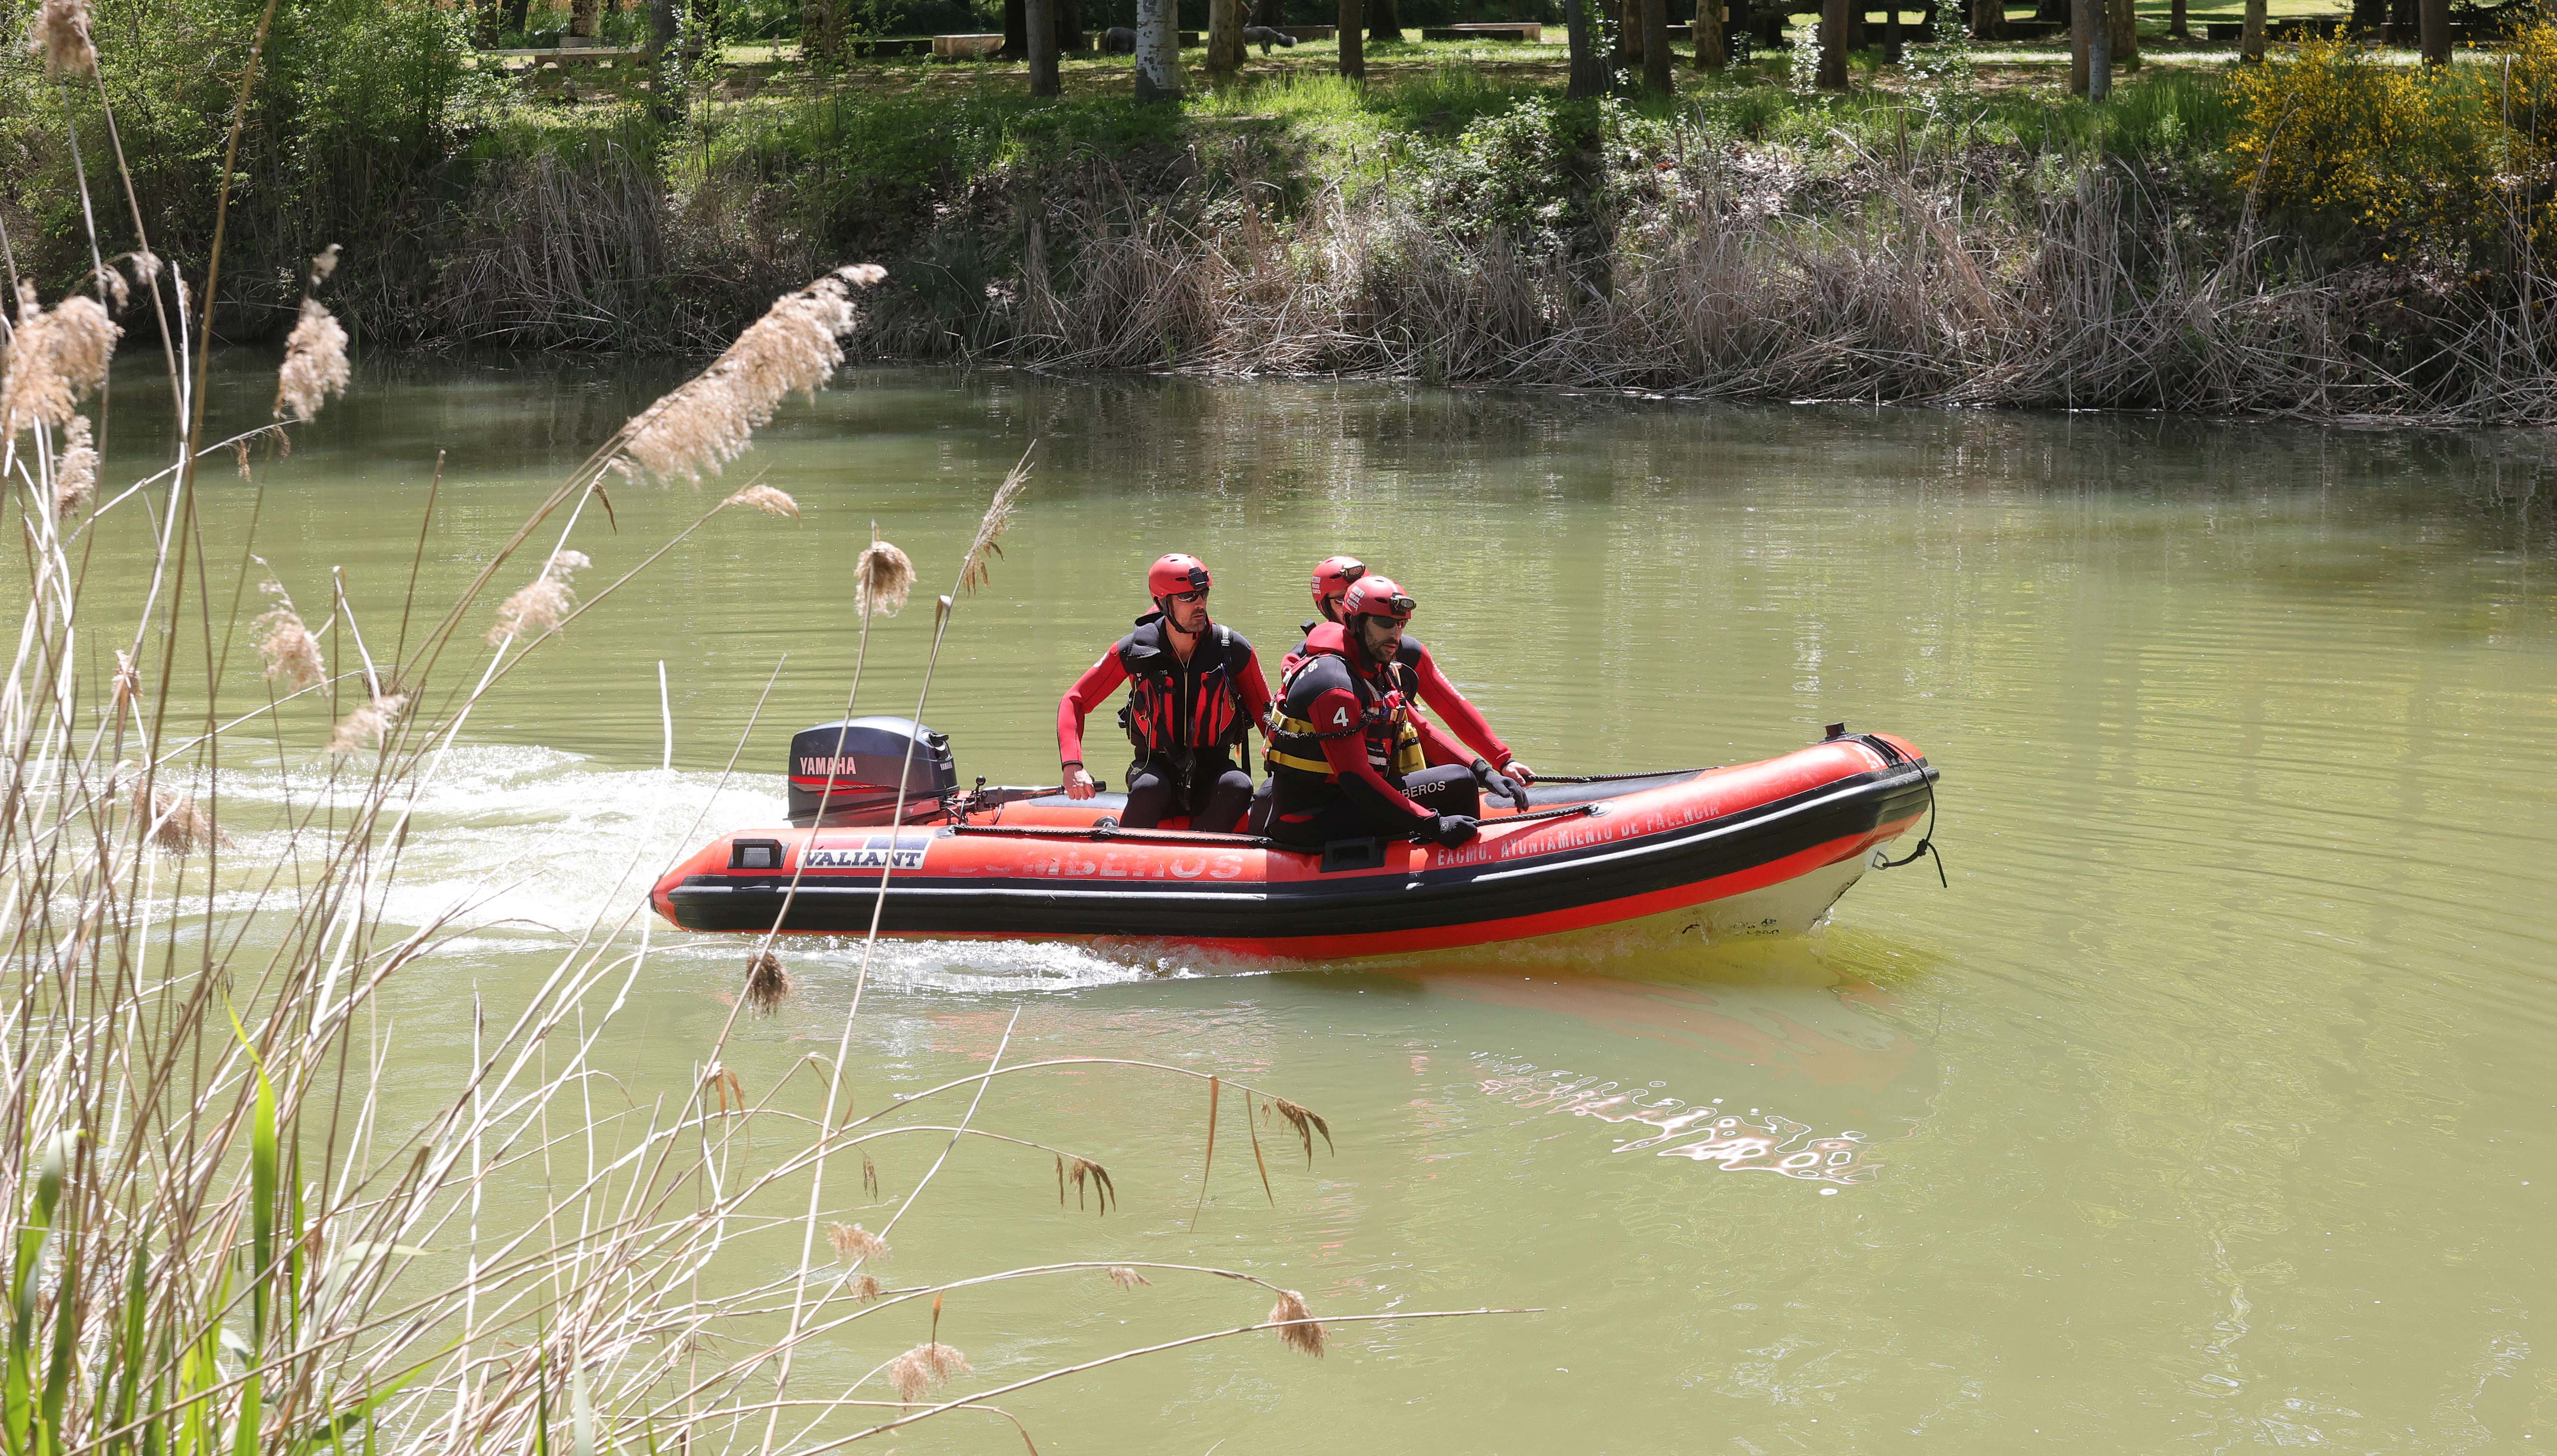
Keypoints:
pixel 1155 717
pixel 1393 742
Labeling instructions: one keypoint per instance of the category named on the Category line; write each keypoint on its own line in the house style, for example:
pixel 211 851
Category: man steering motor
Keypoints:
pixel 1196 692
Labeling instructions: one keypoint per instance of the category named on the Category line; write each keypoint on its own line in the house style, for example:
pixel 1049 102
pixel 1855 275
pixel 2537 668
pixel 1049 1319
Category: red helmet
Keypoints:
pixel 1175 574
pixel 1332 576
pixel 1376 597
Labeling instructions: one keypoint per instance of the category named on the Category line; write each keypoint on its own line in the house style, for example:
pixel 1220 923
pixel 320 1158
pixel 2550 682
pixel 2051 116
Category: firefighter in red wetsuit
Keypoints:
pixel 1195 692
pixel 1349 757
pixel 1333 578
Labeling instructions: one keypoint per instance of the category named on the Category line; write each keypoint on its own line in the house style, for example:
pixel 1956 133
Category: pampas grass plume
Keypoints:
pixel 1303 1334
pixel 177 825
pixel 292 654
pixel 767 985
pixel 369 726
pixel 921 1368
pixel 852 1241
pixel 882 577
pixel 542 606
pixel 766 499
pixel 56 358
pixel 1126 1277
pixel 863 1288
pixel 710 418
pixel 75 471
pixel 315 362
pixel 975 572
pixel 61 35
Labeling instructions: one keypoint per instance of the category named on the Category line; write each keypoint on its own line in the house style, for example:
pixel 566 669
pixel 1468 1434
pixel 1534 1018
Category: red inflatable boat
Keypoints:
pixel 1757 849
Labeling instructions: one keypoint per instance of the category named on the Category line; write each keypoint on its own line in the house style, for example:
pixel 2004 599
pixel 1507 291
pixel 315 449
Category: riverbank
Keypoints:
pixel 1955 231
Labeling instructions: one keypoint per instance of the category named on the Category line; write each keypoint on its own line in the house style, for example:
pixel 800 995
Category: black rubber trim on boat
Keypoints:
pixel 1350 906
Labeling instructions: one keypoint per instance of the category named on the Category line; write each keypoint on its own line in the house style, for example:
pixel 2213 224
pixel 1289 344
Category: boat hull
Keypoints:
pixel 1754 849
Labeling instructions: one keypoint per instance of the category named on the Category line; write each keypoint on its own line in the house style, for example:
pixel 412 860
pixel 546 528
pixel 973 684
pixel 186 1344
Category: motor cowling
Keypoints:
pixel 852 769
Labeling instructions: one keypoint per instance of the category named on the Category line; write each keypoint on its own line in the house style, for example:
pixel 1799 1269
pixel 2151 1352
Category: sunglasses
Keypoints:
pixel 1185 597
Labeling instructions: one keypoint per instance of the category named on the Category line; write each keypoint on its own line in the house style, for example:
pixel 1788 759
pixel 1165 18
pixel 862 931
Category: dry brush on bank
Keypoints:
pixel 223 1232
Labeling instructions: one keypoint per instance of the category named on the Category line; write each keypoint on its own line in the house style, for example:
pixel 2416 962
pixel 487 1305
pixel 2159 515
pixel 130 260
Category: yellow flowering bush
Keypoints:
pixel 2407 151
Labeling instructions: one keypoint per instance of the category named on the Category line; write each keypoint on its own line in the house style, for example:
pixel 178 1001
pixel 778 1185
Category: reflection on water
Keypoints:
pixel 1762 1141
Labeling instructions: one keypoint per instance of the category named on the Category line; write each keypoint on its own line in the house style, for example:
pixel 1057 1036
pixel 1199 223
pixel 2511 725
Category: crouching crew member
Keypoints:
pixel 1348 758
pixel 1497 770
pixel 1194 694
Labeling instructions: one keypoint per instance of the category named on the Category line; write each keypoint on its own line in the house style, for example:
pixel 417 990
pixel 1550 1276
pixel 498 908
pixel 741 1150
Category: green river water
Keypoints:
pixel 2207 1108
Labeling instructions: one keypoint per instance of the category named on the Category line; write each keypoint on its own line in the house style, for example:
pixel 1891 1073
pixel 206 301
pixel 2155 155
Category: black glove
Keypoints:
pixel 1446 831
pixel 1498 785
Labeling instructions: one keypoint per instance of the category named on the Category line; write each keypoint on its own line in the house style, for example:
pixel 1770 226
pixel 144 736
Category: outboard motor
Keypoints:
pixel 852 769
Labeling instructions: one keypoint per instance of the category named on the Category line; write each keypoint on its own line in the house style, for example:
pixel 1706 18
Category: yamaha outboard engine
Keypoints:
pixel 852 769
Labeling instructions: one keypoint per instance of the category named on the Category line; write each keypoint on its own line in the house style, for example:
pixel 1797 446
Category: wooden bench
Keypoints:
pixel 964 48
pixel 1526 31
pixel 564 54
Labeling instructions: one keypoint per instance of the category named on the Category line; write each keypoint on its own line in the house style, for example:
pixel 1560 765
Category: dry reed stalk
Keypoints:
pixel 541 605
pixel 1078 1171
pixel 1297 1328
pixel 1307 1121
pixel 315 362
pixel 795 348
pixel 766 499
pixel 767 985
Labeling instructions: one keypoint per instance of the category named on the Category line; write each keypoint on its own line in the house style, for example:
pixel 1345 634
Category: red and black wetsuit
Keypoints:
pixel 1463 720
pixel 1184 719
pixel 1347 761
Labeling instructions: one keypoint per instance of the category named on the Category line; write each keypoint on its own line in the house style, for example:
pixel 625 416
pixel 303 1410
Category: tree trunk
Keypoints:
pixel 703 38
pixel 581 18
pixel 1624 17
pixel 1710 53
pixel 2178 26
pixel 1383 21
pixel 1069 25
pixel 488 17
pixel 1588 67
pixel 1986 17
pixel 1040 16
pixel 2251 46
pixel 821 31
pixel 1159 50
pixel 1353 51
pixel 1657 78
pixel 666 101
pixel 1271 13
pixel 1224 38
pixel 2100 53
pixel 2078 50
pixel 2122 34
pixel 2434 19
pixel 1016 30
pixel 1833 45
